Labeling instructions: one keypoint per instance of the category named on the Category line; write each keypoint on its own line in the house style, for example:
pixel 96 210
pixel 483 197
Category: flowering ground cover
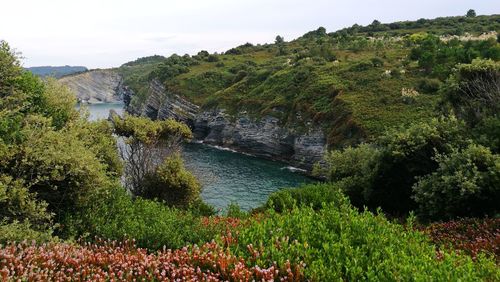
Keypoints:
pixel 469 235
pixel 113 261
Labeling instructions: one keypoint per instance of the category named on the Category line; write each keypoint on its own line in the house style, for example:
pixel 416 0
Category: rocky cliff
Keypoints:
pixel 96 86
pixel 264 137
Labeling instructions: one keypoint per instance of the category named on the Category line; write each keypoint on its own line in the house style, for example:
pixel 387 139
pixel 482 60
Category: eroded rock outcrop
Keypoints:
pixel 96 86
pixel 264 137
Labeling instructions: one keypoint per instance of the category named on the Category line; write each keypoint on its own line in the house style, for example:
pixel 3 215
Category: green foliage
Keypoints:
pixel 355 170
pixel 439 57
pixel 336 82
pixel 464 185
pixel 429 85
pixel 311 195
pixel 148 131
pixel 473 91
pixel 439 26
pixel 23 231
pixel 18 204
pixel 153 166
pixel 383 175
pixel 59 103
pixel 487 133
pixel 338 243
pixel 58 166
pixel 22 216
pixel 51 159
pixel 116 216
pixel 471 13
pixel 10 68
pixel 279 39
pixel 234 211
pixel 172 183
pixel 409 153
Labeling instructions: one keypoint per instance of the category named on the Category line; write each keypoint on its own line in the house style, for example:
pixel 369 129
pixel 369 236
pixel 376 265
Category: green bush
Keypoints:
pixel 51 158
pixel 377 62
pixel 383 174
pixel 354 170
pixel 311 195
pixel 473 92
pixel 487 133
pixel 172 183
pixel 116 215
pixel 338 243
pixel 429 85
pixel 466 184
pixel 23 231
pixel 409 153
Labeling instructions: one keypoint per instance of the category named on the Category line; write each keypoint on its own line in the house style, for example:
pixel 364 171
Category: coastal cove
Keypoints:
pixel 226 176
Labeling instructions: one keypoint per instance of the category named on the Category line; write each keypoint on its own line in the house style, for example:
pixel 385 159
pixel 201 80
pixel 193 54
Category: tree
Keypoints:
pixel 279 40
pixel 471 13
pixel 152 165
pixel 473 91
pixel 465 184
pixel 52 160
pixel 172 183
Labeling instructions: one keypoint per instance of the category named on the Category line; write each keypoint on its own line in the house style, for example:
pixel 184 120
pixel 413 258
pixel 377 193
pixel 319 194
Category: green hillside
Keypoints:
pixel 350 82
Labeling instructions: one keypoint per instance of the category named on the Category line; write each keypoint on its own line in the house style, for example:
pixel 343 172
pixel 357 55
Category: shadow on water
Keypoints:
pixel 229 177
pixel 226 176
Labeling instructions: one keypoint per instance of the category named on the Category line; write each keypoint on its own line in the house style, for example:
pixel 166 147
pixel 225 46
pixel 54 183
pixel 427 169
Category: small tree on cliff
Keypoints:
pixel 153 167
pixel 471 13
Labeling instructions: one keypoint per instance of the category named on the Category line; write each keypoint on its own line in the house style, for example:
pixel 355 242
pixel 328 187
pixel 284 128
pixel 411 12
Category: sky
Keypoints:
pixel 108 33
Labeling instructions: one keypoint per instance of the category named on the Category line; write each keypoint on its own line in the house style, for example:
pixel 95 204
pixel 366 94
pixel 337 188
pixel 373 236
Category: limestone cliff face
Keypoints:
pixel 264 137
pixel 96 86
pixel 162 104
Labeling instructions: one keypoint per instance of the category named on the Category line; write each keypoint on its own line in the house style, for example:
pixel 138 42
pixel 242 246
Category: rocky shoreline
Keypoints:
pixel 264 138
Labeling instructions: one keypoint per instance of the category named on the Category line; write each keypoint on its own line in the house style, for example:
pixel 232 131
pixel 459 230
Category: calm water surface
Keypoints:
pixel 226 176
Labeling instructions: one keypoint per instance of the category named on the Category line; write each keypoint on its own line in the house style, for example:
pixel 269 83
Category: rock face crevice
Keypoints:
pixel 263 138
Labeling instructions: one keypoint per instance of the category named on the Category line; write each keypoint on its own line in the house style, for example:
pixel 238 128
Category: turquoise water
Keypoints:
pixel 229 177
pixel 101 111
pixel 226 176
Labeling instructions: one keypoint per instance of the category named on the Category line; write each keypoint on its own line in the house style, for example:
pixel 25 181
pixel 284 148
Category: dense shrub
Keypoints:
pixel 117 216
pixel 51 159
pixel 312 195
pixel 464 184
pixel 474 90
pixel 172 183
pixel 409 153
pixel 338 243
pixel 354 171
pixel 429 85
pixel 487 133
pixel 16 231
pixel 382 175
pixel 18 204
pixel 377 62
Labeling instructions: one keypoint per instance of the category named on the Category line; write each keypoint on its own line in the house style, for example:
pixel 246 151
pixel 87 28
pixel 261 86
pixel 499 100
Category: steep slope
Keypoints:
pixel 294 100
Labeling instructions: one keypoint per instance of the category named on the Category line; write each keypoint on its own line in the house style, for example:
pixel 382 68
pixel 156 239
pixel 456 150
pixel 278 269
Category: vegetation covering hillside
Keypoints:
pixel 354 83
pixel 75 205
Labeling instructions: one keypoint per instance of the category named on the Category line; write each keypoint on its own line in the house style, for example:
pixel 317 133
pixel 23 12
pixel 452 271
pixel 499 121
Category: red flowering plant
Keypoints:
pixel 114 261
pixel 472 236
